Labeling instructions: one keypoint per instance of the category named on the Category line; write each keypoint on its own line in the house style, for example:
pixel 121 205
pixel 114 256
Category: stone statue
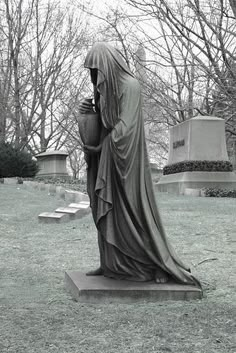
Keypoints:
pixel 132 241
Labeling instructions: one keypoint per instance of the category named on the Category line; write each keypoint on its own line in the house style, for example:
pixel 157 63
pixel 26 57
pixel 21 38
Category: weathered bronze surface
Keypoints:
pixel 132 241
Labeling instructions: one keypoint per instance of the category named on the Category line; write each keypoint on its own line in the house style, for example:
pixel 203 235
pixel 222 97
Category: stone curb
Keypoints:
pixel 56 190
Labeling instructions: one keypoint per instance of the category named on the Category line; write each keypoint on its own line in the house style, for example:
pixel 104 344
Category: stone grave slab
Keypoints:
pixel 99 289
pixel 79 205
pixel 85 203
pixel 83 208
pixel 71 211
pixel 53 217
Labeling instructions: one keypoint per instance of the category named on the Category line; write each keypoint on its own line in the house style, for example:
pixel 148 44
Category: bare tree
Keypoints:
pixel 205 33
pixel 190 48
pixel 42 52
pixel 233 6
pixel 76 161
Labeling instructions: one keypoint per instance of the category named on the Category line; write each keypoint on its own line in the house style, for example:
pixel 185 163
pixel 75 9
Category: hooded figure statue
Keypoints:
pixel 132 240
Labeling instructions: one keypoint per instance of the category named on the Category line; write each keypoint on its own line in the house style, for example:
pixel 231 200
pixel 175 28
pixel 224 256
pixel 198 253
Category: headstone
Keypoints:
pixel 192 192
pixel 52 189
pixel 197 139
pixel 35 185
pixel 60 191
pixel 28 183
pixel 52 163
pixel 42 186
pixel 10 181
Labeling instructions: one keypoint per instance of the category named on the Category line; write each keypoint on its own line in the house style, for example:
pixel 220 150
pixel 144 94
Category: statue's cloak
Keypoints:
pixel 132 240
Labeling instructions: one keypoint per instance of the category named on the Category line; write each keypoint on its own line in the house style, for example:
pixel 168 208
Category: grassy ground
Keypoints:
pixel 38 315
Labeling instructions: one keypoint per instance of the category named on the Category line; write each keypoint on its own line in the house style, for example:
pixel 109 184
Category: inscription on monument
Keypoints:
pixel 179 143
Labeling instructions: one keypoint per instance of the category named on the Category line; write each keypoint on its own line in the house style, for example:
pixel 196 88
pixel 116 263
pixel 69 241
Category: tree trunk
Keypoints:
pixel 2 128
pixel 17 104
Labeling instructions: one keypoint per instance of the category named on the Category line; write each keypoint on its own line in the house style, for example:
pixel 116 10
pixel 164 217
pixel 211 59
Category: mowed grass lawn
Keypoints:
pixel 38 315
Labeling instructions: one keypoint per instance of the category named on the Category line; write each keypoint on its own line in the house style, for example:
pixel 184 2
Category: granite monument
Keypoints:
pixel 198 139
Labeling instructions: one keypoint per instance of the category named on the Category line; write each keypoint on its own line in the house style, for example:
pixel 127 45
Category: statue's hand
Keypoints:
pixel 92 149
pixel 86 107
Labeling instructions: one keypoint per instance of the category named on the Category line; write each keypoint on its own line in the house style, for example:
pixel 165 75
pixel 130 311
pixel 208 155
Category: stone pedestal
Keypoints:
pixel 99 289
pixel 178 182
pixel 197 139
pixel 52 164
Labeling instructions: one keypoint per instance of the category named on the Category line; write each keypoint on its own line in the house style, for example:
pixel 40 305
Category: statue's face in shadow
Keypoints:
pixel 94 75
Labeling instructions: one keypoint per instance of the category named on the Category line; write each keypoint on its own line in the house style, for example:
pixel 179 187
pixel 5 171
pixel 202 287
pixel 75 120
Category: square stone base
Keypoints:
pixel 100 289
pixel 177 183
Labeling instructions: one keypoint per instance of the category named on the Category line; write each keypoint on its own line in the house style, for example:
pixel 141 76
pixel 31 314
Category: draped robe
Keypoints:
pixel 132 240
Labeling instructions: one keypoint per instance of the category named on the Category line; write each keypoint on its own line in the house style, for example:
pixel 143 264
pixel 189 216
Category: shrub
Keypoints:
pixel 16 163
pixel 198 166
pixel 214 192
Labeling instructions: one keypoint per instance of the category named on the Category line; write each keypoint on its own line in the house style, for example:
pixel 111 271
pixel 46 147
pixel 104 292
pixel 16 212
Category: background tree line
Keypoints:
pixel 42 46
pixel 183 53
pixel 189 66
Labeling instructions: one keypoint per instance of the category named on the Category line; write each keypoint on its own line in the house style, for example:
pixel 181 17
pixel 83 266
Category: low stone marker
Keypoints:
pixel 28 183
pixel 192 192
pixel 73 212
pixel 52 189
pixel 63 214
pixel 99 289
pixel 84 208
pixel 35 184
pixel 60 191
pixel 82 204
pixel 53 217
pixel 202 192
pixel 10 181
pixel 75 196
pixel 42 186
pixel 85 202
